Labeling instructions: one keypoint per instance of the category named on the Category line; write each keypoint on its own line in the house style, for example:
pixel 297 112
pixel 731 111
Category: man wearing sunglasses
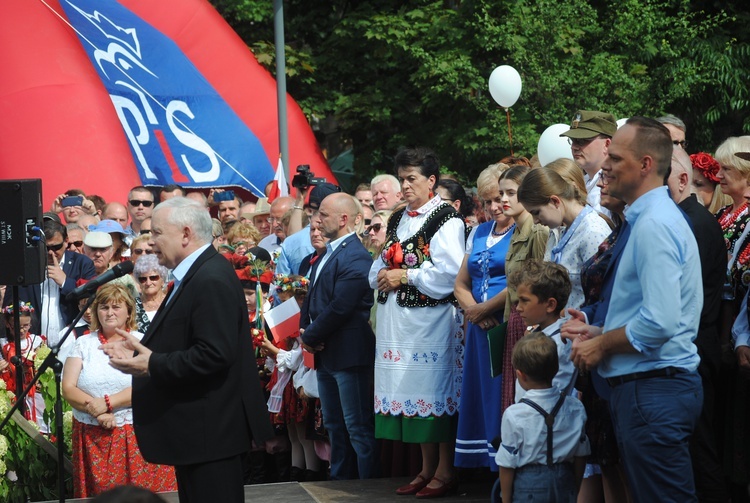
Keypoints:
pixel 589 136
pixel 64 268
pixel 140 206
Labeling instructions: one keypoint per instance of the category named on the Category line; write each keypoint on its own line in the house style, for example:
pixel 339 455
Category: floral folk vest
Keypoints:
pixel 411 253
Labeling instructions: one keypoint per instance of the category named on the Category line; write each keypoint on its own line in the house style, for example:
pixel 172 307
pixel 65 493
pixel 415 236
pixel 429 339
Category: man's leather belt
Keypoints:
pixel 649 374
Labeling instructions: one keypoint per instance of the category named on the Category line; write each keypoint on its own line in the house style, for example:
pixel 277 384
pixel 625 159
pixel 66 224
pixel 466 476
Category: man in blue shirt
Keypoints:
pixel 646 351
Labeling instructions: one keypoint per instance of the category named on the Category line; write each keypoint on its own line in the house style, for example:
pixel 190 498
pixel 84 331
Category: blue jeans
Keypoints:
pixel 347 402
pixel 654 419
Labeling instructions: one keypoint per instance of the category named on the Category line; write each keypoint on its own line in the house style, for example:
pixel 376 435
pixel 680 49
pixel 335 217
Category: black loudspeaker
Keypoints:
pixel 23 260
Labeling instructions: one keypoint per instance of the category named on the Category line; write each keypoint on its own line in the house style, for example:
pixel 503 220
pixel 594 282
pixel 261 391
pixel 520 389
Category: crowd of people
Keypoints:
pixel 578 329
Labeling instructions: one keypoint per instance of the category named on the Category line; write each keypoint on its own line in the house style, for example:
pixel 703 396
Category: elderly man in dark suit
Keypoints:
pixel 335 322
pixel 64 268
pixel 197 400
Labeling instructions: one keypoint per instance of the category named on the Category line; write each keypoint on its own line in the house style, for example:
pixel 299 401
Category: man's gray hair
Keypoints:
pixel 395 185
pixel 674 121
pixel 188 213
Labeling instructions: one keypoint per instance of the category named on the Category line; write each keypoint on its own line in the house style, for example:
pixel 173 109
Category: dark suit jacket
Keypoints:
pixel 713 254
pixel 75 267
pixel 339 303
pixel 202 400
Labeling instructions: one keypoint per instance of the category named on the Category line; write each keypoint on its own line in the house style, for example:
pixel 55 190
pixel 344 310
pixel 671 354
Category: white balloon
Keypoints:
pixel 505 85
pixel 552 146
pixel 622 122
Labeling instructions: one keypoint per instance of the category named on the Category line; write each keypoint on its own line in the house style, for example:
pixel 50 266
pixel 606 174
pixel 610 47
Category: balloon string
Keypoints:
pixel 510 135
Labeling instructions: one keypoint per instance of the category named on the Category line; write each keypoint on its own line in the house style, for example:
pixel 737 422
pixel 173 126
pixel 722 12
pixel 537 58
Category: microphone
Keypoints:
pixel 117 271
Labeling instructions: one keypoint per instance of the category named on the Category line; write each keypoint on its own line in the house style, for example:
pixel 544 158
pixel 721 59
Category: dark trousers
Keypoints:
pixel 215 481
pixel 654 419
pixel 709 475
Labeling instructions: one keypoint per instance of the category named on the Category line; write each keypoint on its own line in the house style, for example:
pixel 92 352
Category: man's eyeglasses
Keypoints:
pixel 141 251
pixel 145 231
pixel 136 202
pixel 682 143
pixel 581 142
pixel 153 278
pixel 56 247
pixel 271 220
pixel 75 244
pixel 374 227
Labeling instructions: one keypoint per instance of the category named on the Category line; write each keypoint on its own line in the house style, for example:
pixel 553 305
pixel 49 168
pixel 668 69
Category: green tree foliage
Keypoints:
pixel 395 73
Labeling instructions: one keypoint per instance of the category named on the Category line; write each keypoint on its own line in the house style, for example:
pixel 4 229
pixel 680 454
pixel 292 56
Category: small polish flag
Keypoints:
pixel 279 187
pixel 283 320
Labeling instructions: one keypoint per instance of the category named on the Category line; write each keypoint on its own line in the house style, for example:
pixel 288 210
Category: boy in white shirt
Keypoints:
pixel 538 462
pixel 543 289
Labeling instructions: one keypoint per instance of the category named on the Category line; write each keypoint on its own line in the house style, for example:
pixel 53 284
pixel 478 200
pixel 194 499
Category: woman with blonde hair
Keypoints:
pixel 242 237
pixel 571 173
pixel 553 201
pixel 706 184
pixel 105 450
pixel 481 292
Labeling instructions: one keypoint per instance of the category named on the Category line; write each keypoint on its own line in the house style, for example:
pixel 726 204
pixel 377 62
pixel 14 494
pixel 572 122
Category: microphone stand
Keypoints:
pixel 56 365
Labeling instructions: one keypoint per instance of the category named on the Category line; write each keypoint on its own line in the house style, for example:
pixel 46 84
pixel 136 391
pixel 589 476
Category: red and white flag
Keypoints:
pixel 283 320
pixel 279 188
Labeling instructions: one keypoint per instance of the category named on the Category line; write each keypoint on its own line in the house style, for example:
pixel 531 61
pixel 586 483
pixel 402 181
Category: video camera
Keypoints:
pixel 304 178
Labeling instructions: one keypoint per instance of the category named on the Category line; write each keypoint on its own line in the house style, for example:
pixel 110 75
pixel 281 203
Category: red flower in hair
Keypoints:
pixel 707 165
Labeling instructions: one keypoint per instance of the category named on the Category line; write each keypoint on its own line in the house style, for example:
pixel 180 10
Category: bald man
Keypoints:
pixel 335 320
pixel 707 470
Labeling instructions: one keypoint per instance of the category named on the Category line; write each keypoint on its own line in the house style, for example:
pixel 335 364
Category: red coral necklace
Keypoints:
pixel 731 216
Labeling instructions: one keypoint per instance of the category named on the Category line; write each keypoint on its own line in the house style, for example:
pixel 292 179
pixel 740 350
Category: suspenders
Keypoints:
pixel 549 420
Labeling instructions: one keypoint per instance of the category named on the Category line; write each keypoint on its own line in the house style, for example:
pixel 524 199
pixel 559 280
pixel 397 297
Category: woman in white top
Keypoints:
pixel 560 205
pixel 419 353
pixel 105 451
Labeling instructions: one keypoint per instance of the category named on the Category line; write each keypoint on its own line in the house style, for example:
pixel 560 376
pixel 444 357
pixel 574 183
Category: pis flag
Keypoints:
pixel 283 320
pixel 108 94
pixel 179 129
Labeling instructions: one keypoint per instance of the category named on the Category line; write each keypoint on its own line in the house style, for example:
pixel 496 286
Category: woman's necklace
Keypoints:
pixel 502 232
pixel 153 303
pixel 103 340
pixel 731 216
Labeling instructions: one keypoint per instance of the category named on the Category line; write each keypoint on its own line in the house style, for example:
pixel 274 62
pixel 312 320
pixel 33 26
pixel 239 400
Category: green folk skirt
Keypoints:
pixel 416 430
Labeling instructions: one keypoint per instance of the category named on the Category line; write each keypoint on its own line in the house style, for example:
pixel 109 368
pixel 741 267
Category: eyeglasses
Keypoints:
pixel 141 251
pixel 271 220
pixel 374 227
pixel 145 231
pixel 153 278
pixel 581 142
pixel 246 244
pixel 682 143
pixel 56 247
pixel 136 202
pixel 75 244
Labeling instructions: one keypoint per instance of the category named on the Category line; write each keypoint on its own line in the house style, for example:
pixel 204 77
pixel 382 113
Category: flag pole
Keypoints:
pixel 278 30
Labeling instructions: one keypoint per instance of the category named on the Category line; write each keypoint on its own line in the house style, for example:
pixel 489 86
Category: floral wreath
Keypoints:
pixel 25 308
pixel 706 164
pixel 285 283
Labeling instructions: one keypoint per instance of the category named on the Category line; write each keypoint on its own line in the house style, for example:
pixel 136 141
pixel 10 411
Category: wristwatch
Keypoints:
pixel 404 279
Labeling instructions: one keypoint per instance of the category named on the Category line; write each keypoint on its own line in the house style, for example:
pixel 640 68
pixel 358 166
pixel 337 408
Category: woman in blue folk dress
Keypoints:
pixel 480 291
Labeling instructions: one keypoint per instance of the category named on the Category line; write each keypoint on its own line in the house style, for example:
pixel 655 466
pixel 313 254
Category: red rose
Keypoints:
pixel 707 165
